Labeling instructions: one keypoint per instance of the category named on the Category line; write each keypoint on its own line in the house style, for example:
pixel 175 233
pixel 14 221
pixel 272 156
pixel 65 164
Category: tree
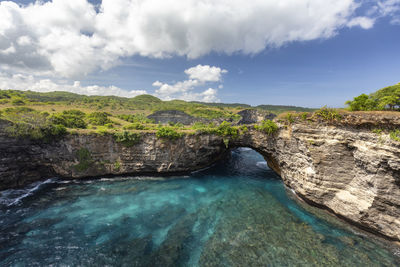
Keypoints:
pixel 391 101
pixel 362 102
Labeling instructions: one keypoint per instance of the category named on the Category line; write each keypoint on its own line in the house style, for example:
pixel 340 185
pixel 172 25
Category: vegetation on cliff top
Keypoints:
pixel 50 115
pixel 47 116
pixel 387 98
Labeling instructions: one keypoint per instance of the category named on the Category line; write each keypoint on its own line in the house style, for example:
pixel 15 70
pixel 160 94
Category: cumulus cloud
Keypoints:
pixel 198 77
pixel 73 38
pixel 205 73
pixel 29 82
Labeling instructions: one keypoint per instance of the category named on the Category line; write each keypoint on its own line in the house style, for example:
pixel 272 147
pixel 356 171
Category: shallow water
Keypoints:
pixel 234 214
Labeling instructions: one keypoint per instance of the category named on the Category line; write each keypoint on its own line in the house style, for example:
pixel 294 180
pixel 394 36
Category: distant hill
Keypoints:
pixel 142 103
pixel 225 105
pixel 280 109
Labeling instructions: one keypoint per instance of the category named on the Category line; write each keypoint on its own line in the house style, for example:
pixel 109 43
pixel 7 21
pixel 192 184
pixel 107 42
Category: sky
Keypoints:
pixel 284 52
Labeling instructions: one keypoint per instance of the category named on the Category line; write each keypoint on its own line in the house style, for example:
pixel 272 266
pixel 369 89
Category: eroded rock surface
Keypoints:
pixel 352 172
pixel 174 116
pixel 250 116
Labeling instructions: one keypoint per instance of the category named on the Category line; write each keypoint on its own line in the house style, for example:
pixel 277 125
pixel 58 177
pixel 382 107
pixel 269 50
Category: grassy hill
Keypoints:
pixel 37 115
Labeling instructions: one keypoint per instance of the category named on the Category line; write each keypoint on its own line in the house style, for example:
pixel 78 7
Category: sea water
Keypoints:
pixel 236 213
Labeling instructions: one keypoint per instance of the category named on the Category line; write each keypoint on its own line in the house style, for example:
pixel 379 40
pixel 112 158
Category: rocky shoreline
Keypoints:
pixel 345 168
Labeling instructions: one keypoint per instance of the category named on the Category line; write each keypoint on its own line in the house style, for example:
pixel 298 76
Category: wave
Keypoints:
pixel 262 165
pixel 12 197
pixel 244 149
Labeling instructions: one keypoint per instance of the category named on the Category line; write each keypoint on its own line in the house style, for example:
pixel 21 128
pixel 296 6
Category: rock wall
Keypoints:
pixel 250 116
pixel 79 156
pixel 345 168
pixel 352 172
pixel 175 116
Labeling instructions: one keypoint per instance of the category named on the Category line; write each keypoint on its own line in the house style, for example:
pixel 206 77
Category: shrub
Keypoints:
pixel 136 118
pixel 28 123
pixel 117 166
pixel 244 129
pixel 102 131
pixel 127 138
pixel 18 102
pixel 377 131
pixel 289 118
pixel 198 125
pixel 4 95
pixel 328 114
pixel 70 119
pixel 109 125
pixel 395 135
pixel 304 116
pixel 99 118
pixel 84 158
pixel 268 127
pixel 168 133
pixel 226 129
pixel 135 126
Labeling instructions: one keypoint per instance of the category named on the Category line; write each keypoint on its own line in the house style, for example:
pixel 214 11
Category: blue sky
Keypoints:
pixel 304 60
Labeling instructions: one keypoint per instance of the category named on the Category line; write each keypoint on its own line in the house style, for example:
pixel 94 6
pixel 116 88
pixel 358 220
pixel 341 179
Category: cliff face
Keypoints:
pixel 250 116
pixel 345 168
pixel 353 173
pixel 78 156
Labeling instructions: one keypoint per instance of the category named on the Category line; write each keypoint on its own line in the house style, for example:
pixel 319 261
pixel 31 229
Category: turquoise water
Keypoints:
pixel 233 214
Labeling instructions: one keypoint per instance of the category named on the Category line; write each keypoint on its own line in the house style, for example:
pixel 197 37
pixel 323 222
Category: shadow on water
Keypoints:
pixel 235 213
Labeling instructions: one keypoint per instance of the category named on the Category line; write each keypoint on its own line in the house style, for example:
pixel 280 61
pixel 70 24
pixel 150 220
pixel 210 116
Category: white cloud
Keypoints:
pixel 29 82
pixel 363 22
pixel 198 77
pixel 71 39
pixel 205 73
pixel 386 8
pixel 209 95
pixel 390 8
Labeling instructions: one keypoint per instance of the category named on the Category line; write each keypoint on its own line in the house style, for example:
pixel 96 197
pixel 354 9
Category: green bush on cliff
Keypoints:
pixel 395 135
pixel 135 126
pixel 70 119
pixel 267 126
pixel 99 118
pixel 135 118
pixel 127 138
pixel 29 123
pixel 289 117
pixel 168 133
pixel 328 114
pixel 226 129
pixel 84 158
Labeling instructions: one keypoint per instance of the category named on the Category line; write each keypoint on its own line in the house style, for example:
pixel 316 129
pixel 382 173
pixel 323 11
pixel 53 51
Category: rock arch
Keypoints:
pixel 346 170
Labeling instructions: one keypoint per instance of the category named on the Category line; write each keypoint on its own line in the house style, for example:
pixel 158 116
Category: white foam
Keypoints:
pixel 244 149
pixel 262 165
pixel 14 196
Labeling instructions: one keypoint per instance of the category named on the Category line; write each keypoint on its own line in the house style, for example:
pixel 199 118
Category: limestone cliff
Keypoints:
pixel 78 156
pixel 342 166
pixel 345 168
